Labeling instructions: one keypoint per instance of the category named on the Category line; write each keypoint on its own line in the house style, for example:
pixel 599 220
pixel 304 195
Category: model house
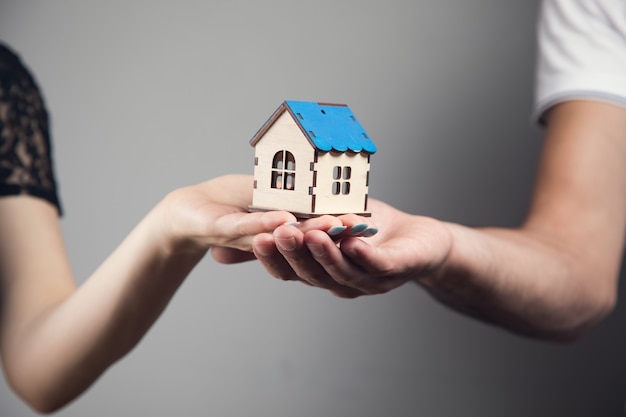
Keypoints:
pixel 312 159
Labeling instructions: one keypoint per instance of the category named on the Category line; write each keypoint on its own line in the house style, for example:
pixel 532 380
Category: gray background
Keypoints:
pixel 147 96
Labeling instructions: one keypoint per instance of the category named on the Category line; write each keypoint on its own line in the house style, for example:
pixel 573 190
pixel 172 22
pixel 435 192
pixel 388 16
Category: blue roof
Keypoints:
pixel 331 126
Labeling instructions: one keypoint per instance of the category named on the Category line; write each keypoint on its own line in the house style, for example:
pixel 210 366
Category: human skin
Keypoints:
pixel 554 277
pixel 57 339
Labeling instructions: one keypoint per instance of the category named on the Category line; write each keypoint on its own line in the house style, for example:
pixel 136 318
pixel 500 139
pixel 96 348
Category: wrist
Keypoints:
pixel 448 262
pixel 170 227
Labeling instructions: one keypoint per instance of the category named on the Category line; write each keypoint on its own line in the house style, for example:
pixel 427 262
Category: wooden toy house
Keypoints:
pixel 312 159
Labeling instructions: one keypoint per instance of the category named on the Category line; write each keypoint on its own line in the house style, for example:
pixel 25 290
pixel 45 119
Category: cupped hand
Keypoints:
pixel 349 265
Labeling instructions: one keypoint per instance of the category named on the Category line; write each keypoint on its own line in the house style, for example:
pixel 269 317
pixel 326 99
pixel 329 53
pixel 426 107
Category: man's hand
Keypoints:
pixel 348 265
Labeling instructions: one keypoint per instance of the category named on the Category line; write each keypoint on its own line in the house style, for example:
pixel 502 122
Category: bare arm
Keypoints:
pixel 55 339
pixel 554 277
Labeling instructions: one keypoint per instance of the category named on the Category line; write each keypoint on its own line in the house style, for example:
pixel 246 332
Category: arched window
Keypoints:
pixel 283 171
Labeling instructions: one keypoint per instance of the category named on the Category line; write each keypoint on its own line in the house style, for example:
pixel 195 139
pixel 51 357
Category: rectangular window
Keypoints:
pixel 342 176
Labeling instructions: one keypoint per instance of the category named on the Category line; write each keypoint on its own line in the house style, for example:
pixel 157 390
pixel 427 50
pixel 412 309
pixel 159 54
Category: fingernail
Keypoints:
pixel 335 230
pixel 291 223
pixel 358 228
pixel 370 231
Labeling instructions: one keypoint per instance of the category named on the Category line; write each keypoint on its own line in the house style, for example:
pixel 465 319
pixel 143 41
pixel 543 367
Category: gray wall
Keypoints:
pixel 149 96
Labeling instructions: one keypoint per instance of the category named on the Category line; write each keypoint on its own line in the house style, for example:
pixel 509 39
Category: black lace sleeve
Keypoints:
pixel 25 147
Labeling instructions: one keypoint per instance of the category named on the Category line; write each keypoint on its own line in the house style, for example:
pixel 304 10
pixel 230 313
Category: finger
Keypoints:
pixel 342 269
pixel 277 265
pixel 249 224
pixel 237 230
pixel 226 255
pixel 356 226
pixel 381 265
pixel 290 243
pixel 339 227
pixel 362 253
pixel 330 224
pixel 267 253
pixel 323 223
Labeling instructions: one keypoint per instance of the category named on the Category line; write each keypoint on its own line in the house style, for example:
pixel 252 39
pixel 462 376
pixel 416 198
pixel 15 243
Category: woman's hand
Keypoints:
pixel 215 214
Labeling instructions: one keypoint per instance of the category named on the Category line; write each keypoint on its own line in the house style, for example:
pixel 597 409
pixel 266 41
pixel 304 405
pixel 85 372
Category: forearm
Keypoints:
pixel 64 349
pixel 523 280
pixel 556 276
pixel 55 340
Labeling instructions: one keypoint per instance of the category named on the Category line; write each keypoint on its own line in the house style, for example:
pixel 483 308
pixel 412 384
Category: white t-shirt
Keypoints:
pixel 582 52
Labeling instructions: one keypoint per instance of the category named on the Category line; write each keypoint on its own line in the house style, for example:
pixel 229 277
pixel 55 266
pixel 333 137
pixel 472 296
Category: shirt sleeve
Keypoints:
pixel 581 53
pixel 25 148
